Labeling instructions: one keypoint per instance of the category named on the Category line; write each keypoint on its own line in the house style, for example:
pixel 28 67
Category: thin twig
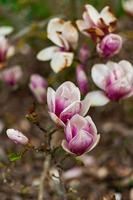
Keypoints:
pixel 44 174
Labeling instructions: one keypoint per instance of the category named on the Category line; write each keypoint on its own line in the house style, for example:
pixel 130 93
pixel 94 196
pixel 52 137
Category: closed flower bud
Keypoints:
pixel 81 135
pixel 82 79
pixel 84 53
pixel 17 137
pixel 38 87
pixel 110 45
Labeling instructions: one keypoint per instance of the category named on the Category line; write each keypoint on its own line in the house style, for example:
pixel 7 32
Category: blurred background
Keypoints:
pixel 109 168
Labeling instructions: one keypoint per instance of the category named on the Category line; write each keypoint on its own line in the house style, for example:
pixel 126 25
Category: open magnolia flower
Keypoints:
pixel 110 45
pixel 81 135
pixel 116 81
pixel 65 36
pixel 65 102
pixel 128 6
pixel 38 87
pixel 12 76
pixel 97 25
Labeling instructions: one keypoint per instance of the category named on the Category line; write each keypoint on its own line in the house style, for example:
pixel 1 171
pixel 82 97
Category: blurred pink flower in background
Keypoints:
pixel 82 79
pixel 96 25
pixel 12 76
pixel 115 79
pixel 110 45
pixel 84 53
pixel 81 135
pixel 65 36
pixel 66 102
pixel 6 50
pixel 17 137
pixel 38 86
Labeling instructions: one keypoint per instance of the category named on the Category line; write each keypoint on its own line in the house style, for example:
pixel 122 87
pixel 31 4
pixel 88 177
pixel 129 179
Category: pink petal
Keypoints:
pixel 71 110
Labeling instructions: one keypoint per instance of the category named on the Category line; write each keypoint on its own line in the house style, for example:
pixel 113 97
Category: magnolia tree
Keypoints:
pixel 68 103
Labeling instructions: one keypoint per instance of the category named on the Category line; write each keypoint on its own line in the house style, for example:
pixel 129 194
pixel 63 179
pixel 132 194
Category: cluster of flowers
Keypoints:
pixel 114 79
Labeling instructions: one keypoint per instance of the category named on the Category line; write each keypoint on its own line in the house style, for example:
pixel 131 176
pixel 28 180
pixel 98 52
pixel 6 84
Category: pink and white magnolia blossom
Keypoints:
pixel 65 36
pixel 38 86
pixel 110 45
pixel 12 76
pixel 82 79
pixel 97 25
pixel 81 135
pixel 17 137
pixel 115 79
pixel 65 102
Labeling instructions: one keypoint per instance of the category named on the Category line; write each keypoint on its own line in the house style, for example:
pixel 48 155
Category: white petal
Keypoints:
pixel 86 103
pixel 126 66
pixel 92 12
pixel 53 30
pixel 99 74
pixel 70 33
pixel 107 16
pixel 47 53
pixel 79 121
pixel 82 26
pixel 61 60
pixel 51 99
pixel 97 98
pixel 56 119
pixel 68 89
pixel 5 30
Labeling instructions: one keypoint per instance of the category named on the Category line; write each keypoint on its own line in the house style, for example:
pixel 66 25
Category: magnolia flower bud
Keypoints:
pixel 17 137
pixel 82 79
pixel 110 45
pixel 81 135
pixel 12 75
pixel 65 102
pixel 84 53
pixel 38 87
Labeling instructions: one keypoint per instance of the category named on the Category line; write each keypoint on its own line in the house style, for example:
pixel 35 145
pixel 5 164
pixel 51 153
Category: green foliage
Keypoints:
pixel 14 157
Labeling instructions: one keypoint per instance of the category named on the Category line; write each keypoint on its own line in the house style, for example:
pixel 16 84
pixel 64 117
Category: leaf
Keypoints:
pixel 14 157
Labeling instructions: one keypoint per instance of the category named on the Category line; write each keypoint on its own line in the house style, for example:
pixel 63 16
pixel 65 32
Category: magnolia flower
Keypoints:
pixel 84 53
pixel 82 79
pixel 128 6
pixel 12 75
pixel 115 79
pixel 17 137
pixel 96 25
pixel 5 30
pixel 110 45
pixel 65 102
pixel 5 49
pixel 65 36
pixel 38 87
pixel 81 135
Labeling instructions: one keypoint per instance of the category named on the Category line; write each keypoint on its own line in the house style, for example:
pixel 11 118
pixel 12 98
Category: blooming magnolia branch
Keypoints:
pixel 65 106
